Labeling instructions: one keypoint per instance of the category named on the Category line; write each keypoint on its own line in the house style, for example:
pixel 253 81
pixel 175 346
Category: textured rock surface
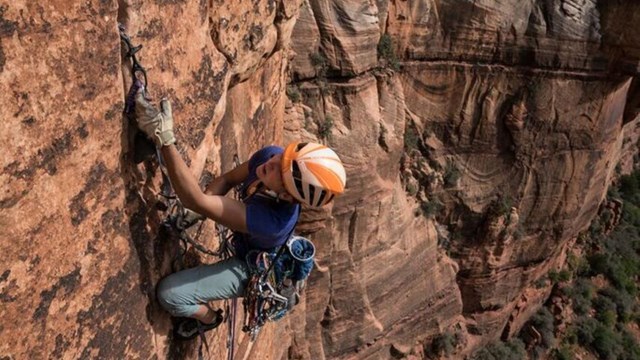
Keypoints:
pixel 82 249
pixel 471 167
pixel 515 117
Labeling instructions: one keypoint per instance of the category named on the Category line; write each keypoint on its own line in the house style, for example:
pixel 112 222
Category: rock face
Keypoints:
pixel 478 143
pixel 511 119
pixel 81 236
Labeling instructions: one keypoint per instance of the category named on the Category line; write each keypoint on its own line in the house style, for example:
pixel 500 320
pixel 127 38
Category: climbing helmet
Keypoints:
pixel 312 173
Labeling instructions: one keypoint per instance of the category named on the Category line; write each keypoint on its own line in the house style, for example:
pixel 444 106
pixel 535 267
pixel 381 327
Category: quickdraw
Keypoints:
pixel 136 67
pixel 143 146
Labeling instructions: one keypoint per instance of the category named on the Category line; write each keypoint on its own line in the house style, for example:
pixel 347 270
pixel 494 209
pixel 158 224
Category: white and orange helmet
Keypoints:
pixel 312 173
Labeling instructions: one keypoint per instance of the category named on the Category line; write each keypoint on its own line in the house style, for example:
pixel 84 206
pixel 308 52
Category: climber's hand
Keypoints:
pixel 157 125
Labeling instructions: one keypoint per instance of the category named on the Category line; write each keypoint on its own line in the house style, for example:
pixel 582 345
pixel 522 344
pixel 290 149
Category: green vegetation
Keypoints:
pixel 563 353
pixel 603 309
pixel 578 266
pixel 581 294
pixel 540 283
pixel 604 312
pixel 443 344
pixel 320 63
pixel 411 139
pixel 562 276
pixel 451 174
pixel 412 189
pixel 542 321
pixel 512 350
pixel 504 205
pixel 431 207
pixel 386 52
pixel 294 93
pixel 324 128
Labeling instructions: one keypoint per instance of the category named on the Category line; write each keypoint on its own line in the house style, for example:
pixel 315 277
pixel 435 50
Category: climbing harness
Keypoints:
pixel 271 292
pixel 262 302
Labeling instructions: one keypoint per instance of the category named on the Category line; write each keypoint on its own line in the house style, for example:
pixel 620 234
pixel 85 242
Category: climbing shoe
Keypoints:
pixel 188 328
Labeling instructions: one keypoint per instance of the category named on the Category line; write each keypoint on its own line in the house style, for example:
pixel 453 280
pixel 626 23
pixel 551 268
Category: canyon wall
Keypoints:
pixel 479 139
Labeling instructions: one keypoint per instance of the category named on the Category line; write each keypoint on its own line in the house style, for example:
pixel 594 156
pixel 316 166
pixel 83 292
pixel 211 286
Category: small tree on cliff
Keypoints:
pixel 386 53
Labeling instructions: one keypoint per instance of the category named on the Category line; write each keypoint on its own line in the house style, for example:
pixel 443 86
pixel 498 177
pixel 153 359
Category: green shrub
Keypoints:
pixel 444 344
pixel 606 311
pixel 630 184
pixel 412 189
pixel 613 193
pixel 599 263
pixel 411 139
pixel 431 207
pixel 543 322
pixel 324 128
pixel 540 283
pixel 294 94
pixel 563 353
pixel 581 294
pixel 630 347
pixel 595 229
pixel 617 269
pixel 504 205
pixel 624 303
pixel 578 265
pixel 570 335
pixel 631 214
pixel 585 329
pixel 606 342
pixel 320 63
pixel 451 174
pixel 386 52
pixel 512 350
pixel 564 275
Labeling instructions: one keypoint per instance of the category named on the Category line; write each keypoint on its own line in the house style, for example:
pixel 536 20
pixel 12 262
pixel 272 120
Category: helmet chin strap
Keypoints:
pixel 260 189
pixel 271 193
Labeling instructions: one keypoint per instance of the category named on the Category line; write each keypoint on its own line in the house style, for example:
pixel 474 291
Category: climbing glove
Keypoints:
pixel 157 125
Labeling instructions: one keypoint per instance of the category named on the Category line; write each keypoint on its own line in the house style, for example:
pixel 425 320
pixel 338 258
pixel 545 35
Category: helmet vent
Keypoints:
pixel 323 194
pixel 312 194
pixel 297 177
pixel 300 146
pixel 295 170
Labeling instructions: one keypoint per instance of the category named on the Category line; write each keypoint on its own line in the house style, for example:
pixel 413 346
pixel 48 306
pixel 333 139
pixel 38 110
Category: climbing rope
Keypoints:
pixel 176 218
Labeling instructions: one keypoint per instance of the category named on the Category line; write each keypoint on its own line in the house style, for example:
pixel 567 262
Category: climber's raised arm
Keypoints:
pixel 158 125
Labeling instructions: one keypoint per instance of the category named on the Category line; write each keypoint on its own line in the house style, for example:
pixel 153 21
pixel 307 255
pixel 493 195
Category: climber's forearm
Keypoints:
pixel 183 181
pixel 222 184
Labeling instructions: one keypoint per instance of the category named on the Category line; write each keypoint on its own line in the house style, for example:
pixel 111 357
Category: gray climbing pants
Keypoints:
pixel 182 293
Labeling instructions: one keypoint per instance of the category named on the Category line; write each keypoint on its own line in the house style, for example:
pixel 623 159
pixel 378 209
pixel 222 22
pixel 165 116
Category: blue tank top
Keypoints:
pixel 269 223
